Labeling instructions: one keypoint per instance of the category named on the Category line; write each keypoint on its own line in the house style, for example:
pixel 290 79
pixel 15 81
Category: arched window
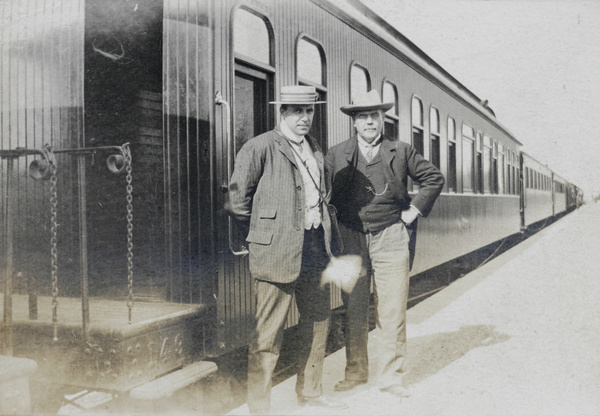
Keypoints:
pixel 488 185
pixel 251 37
pixel 479 162
pixel 390 95
pixel 254 73
pixel 434 133
pixel 451 155
pixel 310 62
pixel 311 70
pixel 360 81
pixel 501 170
pixel 417 125
pixel 468 145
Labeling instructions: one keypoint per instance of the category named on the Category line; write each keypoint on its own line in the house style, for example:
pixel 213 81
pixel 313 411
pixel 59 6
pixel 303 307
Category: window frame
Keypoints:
pixel 393 119
pixel 452 164
pixel 435 137
pixel 470 139
pixel 320 109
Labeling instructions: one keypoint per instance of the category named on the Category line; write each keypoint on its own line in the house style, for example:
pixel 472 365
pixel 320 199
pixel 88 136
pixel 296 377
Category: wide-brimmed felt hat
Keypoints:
pixel 298 94
pixel 365 102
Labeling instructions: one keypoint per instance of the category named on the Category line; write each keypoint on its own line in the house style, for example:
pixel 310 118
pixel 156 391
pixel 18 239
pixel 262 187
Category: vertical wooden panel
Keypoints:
pixel 41 102
pixel 188 151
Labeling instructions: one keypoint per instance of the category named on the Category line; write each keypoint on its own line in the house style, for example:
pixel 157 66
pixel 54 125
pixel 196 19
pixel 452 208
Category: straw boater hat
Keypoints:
pixel 298 94
pixel 365 102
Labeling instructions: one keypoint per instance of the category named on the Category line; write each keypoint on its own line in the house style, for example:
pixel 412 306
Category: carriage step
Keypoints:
pixel 169 384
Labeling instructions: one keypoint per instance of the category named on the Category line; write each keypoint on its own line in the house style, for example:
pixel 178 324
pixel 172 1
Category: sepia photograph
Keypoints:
pixel 299 207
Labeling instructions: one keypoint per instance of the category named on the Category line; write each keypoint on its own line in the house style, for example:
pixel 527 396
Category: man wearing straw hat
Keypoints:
pixel 276 192
pixel 368 175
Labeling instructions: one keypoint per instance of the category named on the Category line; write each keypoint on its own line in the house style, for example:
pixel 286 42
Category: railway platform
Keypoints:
pixel 518 336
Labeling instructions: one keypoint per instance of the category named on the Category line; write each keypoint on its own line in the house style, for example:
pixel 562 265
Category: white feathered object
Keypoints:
pixel 343 271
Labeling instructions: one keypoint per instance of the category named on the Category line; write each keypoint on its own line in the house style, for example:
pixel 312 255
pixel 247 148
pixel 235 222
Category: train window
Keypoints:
pixel 252 37
pixel 311 70
pixel 479 162
pixel 390 95
pixel 515 176
pixel 417 125
pixel 509 189
pixel 310 62
pixel 468 146
pixel 495 167
pixel 360 81
pixel 487 164
pixel 501 170
pixel 434 131
pixel 253 84
pixel 530 178
pixel 451 155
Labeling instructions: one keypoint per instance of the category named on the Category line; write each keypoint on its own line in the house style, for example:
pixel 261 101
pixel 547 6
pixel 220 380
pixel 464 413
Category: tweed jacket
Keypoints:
pixel 266 194
pixel 400 161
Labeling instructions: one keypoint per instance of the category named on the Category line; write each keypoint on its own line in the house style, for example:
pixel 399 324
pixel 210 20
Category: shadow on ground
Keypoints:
pixel 429 354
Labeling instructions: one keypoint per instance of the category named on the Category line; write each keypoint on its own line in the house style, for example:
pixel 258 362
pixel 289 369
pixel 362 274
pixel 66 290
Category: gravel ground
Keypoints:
pixel 518 336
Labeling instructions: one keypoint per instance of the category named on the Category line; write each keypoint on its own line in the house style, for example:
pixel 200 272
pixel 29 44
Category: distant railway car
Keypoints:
pixel 574 197
pixel 560 188
pixel 537 191
pixel 120 278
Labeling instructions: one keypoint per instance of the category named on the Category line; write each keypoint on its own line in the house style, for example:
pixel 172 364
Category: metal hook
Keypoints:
pixel 39 169
pixel 116 163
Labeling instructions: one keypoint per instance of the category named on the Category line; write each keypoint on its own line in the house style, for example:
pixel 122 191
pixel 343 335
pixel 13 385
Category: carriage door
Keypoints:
pixel 253 89
pixel 251 114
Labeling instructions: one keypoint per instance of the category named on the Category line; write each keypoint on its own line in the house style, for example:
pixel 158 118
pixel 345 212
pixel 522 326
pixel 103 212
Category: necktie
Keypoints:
pixel 371 146
pixel 369 154
pixel 298 145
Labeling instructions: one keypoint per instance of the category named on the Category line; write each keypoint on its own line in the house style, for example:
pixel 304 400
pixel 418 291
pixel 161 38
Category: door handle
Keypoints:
pixel 230 150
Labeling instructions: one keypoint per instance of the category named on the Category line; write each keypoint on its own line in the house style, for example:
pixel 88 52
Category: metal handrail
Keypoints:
pixel 230 141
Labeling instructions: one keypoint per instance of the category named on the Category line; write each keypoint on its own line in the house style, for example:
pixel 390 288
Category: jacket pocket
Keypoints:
pixel 268 213
pixel 259 237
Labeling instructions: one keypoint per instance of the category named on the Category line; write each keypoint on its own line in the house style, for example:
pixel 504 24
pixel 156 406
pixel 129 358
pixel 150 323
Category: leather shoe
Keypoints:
pixel 346 384
pixel 321 401
pixel 397 390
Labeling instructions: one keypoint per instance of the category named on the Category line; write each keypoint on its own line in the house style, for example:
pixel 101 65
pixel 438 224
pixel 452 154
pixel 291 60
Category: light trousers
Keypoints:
pixel 273 302
pixel 385 259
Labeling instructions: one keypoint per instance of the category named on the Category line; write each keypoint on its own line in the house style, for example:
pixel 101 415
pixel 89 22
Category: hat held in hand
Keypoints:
pixel 343 272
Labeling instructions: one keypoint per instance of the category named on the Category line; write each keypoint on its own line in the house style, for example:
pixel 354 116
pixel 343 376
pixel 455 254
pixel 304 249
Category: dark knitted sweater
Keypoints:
pixel 370 205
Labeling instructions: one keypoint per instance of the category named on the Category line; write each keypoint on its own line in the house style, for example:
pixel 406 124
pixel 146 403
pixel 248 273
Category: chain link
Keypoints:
pixel 53 241
pixel 129 198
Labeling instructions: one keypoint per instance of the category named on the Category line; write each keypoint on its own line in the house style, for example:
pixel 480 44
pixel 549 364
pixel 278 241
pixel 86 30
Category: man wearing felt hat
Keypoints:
pixel 276 192
pixel 368 177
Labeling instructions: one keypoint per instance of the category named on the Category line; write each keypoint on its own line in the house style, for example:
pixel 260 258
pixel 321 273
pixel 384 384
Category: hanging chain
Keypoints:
pixel 129 198
pixel 53 240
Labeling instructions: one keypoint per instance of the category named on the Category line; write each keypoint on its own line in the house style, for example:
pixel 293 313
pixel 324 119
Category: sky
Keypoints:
pixel 536 61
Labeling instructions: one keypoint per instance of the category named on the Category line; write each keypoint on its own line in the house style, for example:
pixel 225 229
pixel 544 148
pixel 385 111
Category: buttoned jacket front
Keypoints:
pixel 266 192
pixel 400 161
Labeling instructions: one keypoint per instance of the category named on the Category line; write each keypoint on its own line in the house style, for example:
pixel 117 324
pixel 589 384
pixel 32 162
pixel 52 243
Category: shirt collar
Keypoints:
pixel 288 133
pixel 376 142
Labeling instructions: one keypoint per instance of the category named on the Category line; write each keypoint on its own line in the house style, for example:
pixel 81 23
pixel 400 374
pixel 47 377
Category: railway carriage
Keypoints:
pixel 537 191
pixel 144 272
